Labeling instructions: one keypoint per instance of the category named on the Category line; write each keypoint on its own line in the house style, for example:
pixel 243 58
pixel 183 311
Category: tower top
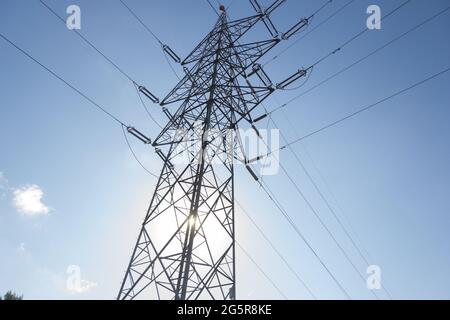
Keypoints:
pixel 222 8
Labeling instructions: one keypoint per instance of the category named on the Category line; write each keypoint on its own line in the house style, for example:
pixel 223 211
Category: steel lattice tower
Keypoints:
pixel 186 246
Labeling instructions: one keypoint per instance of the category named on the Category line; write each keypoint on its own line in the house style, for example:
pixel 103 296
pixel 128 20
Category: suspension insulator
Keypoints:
pixel 300 73
pixel 274 6
pixel 260 118
pixel 171 53
pixel 139 135
pixel 254 159
pixel 148 94
pixel 252 173
pixel 164 158
pixel 296 28
pixel 256 6
pixel 262 75
pixel 270 26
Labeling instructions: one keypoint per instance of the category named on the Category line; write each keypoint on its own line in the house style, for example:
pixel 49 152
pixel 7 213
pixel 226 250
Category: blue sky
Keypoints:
pixel 386 169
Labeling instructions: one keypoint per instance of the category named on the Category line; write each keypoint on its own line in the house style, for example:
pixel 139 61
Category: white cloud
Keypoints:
pixel 28 200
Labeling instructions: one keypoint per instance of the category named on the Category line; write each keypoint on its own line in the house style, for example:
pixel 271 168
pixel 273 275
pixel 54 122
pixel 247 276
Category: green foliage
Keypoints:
pixel 11 296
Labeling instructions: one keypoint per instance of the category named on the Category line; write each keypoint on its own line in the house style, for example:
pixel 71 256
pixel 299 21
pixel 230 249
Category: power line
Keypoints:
pixel 353 114
pixel 309 32
pixel 301 164
pixel 142 23
pixel 122 123
pixel 297 276
pixel 280 208
pixel 89 43
pixel 102 109
pixel 271 196
pixel 327 203
pixel 79 34
pixel 146 27
pixel 212 7
pixel 409 88
pixel 123 126
pixel 170 66
pixel 356 36
pixel 414 28
pixel 316 214
pixel 321 8
pixel 287 217
pixel 314 211
pixel 336 122
pixel 135 156
pixel 262 271
pixel 330 191
pixel 145 107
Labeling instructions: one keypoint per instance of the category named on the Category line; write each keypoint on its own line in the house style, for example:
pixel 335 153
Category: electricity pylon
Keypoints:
pixel 186 245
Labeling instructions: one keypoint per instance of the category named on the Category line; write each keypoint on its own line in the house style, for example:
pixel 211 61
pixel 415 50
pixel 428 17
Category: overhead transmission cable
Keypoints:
pixel 128 76
pixel 87 41
pixel 339 48
pixel 135 156
pixel 328 187
pixel 274 248
pixel 79 92
pixel 167 51
pixel 281 209
pixel 327 203
pixel 366 108
pixel 334 75
pixel 142 23
pixel 415 27
pixel 262 271
pixel 384 99
pixel 421 82
pixel 315 212
pixel 356 36
pixel 287 217
pixel 212 7
pixel 276 56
